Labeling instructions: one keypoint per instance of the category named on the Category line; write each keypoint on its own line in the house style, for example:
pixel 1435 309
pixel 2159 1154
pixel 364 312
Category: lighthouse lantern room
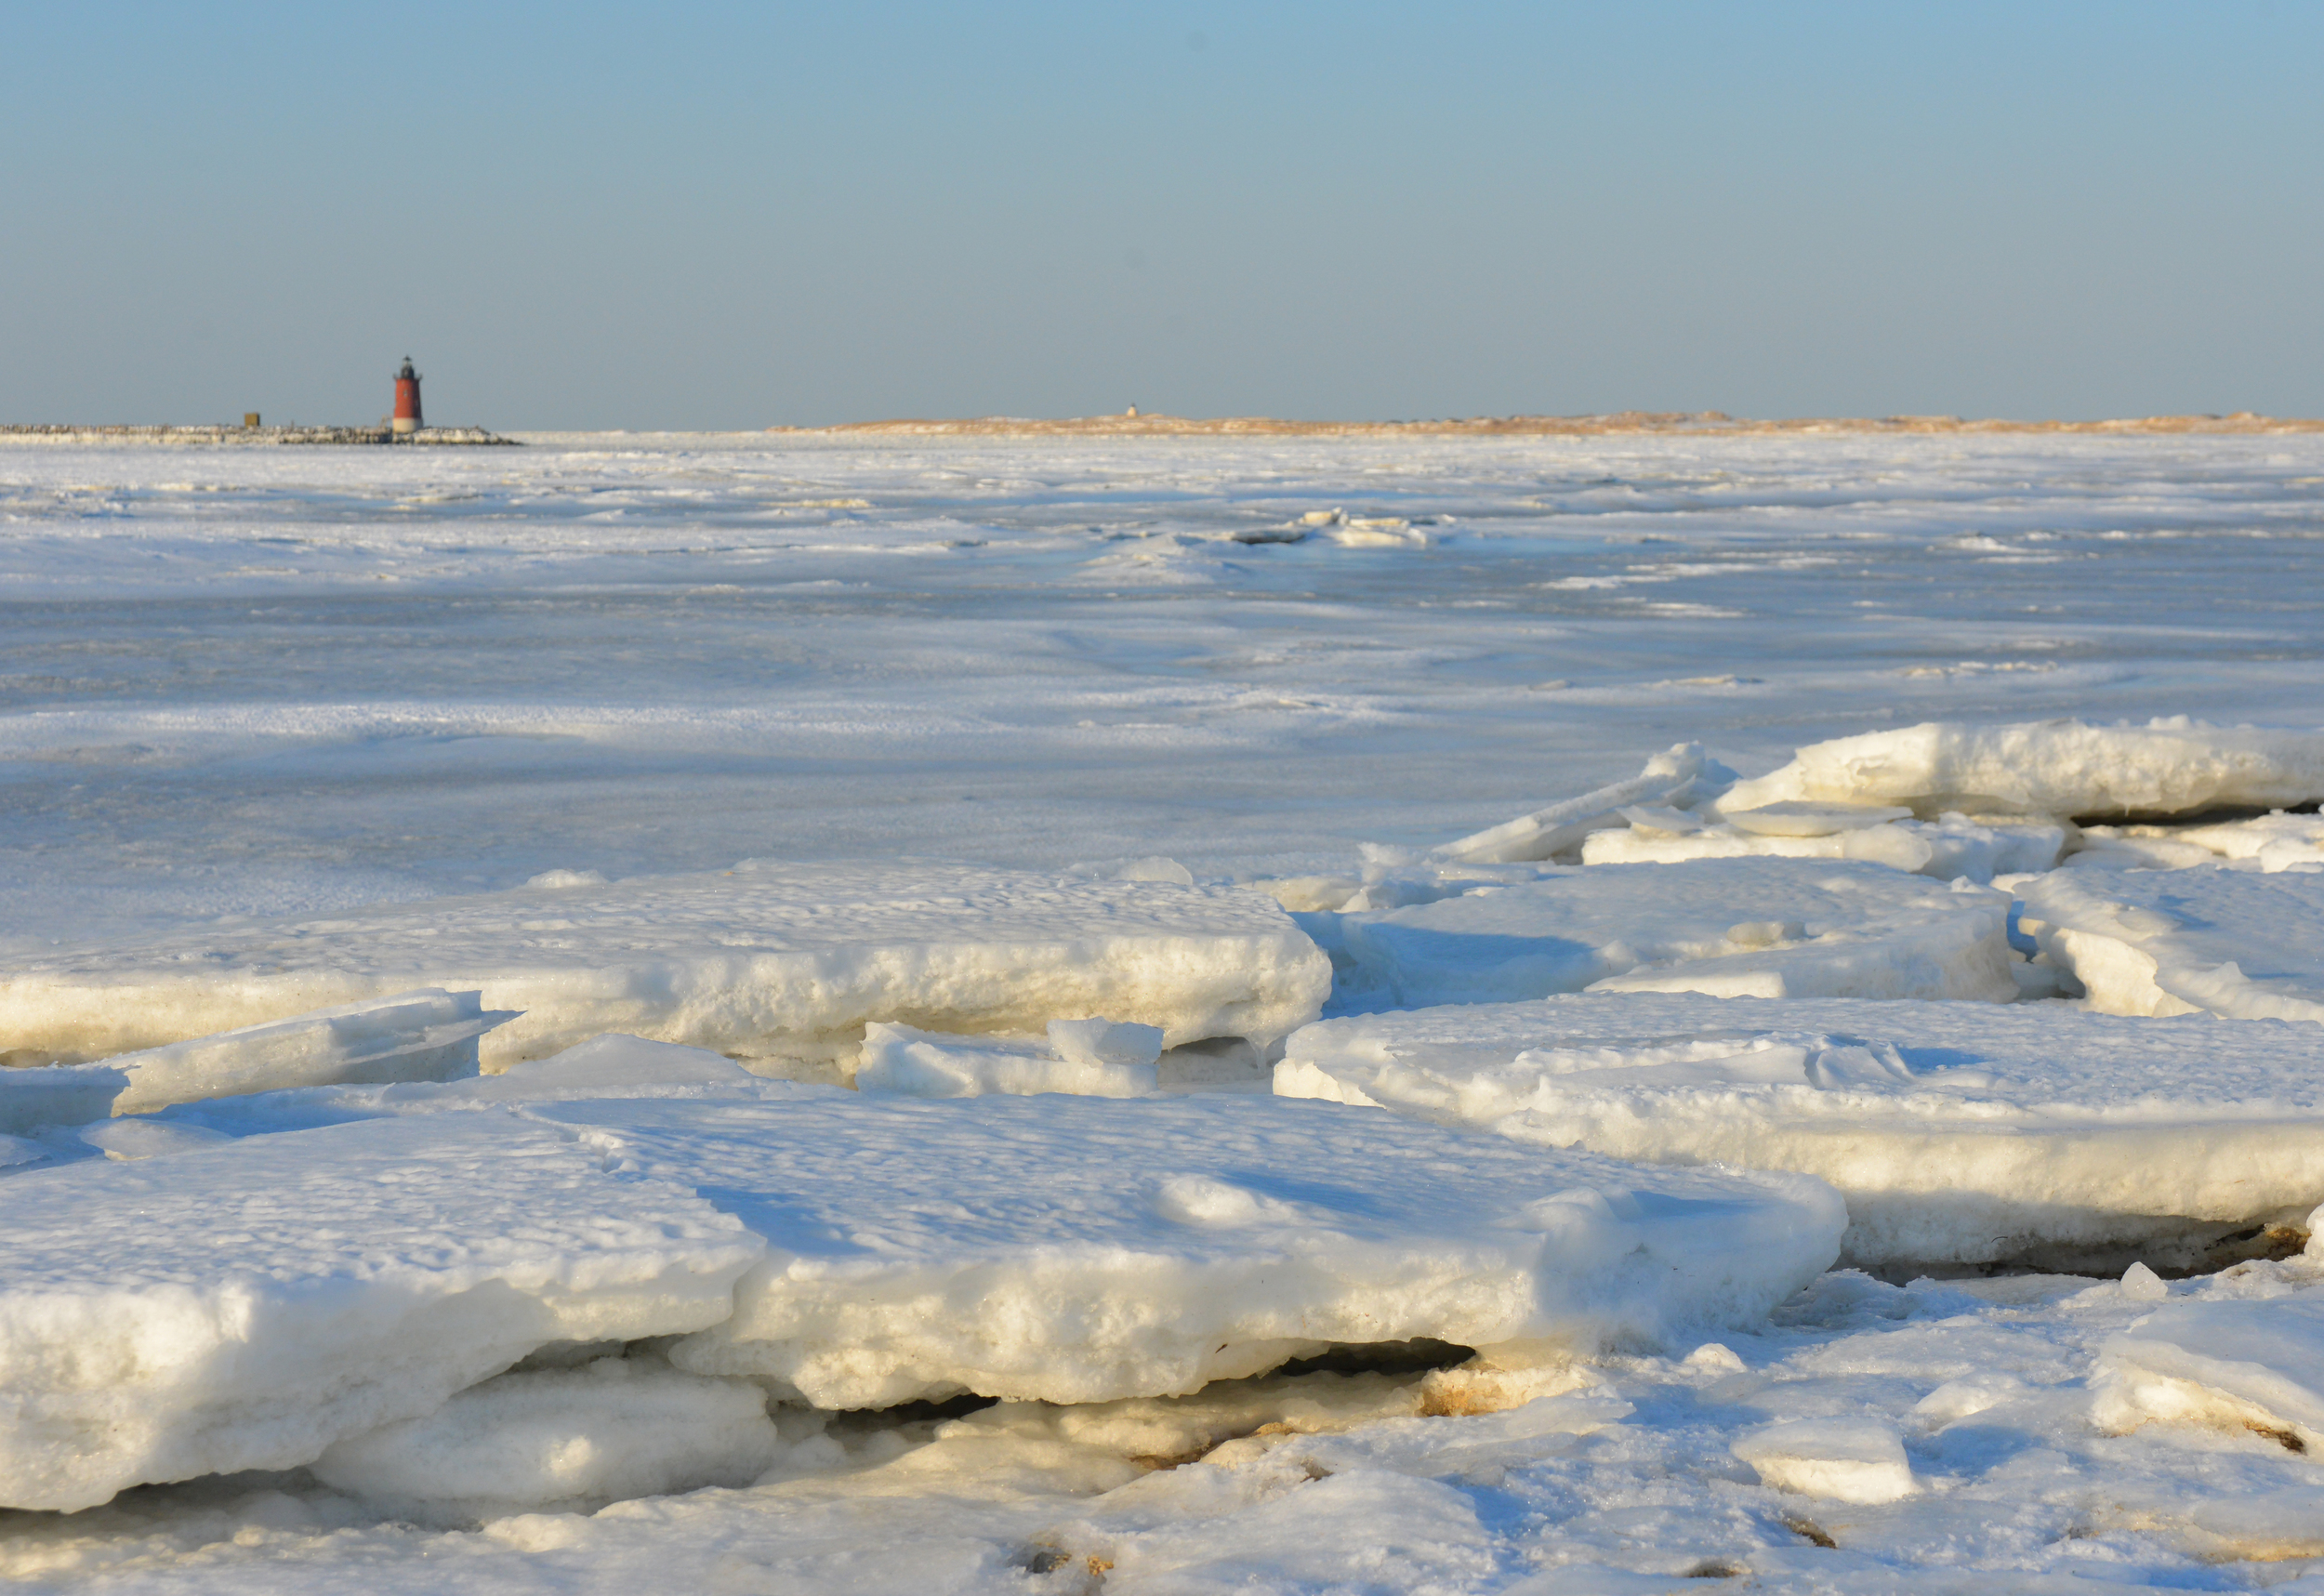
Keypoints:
pixel 407 399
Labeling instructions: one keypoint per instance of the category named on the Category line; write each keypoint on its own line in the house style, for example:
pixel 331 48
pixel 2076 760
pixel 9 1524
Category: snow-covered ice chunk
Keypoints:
pixel 1958 1133
pixel 424 1035
pixel 1682 776
pixel 569 1440
pixel 2237 1365
pixel 1847 1460
pixel 1076 1250
pixel 765 960
pixel 1839 930
pixel 925 1064
pixel 2274 842
pixel 1953 847
pixel 2267 843
pixel 2061 768
pixel 2243 944
pixel 247 1306
pixel 61 1094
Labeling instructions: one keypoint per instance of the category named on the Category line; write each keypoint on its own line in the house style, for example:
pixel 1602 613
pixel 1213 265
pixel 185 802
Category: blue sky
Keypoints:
pixel 734 216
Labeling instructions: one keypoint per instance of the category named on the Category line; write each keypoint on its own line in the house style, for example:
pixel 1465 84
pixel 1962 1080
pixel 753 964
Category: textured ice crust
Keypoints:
pixel 1763 928
pixel 1077 1250
pixel 1959 1133
pixel 2060 768
pixel 2242 943
pixel 765 960
pixel 245 1308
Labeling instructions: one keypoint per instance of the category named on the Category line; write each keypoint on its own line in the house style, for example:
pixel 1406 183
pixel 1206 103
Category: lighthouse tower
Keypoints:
pixel 407 399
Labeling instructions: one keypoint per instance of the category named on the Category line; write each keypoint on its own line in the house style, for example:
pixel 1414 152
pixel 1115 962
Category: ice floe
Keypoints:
pixel 2242 943
pixel 1766 928
pixel 1072 1249
pixel 2056 768
pixel 1959 1133
pixel 783 962
pixel 248 1305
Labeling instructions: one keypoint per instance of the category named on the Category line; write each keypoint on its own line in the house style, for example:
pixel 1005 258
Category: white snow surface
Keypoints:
pixel 1959 1132
pixel 2242 943
pixel 2061 768
pixel 765 960
pixel 246 1305
pixel 1766 928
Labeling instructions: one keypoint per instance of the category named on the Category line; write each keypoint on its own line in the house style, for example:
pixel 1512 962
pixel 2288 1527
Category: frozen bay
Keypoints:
pixel 244 681
pixel 239 680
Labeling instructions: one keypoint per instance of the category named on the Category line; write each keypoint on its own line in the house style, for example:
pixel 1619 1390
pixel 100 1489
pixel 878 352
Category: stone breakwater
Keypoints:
pixel 65 432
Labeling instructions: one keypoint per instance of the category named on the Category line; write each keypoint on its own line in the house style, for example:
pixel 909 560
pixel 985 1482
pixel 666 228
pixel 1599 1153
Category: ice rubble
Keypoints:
pixel 2246 1365
pixel 1766 928
pixel 1089 1058
pixel 1071 1249
pixel 2267 843
pixel 767 960
pixel 1680 777
pixel 2056 768
pixel 1958 1133
pixel 2242 943
pixel 246 1307
pixel 276 1296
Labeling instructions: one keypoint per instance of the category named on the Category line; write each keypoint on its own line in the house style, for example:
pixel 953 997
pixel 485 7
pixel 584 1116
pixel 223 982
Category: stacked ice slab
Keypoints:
pixel 1959 1133
pixel 1768 928
pixel 763 961
pixel 425 1036
pixel 278 1298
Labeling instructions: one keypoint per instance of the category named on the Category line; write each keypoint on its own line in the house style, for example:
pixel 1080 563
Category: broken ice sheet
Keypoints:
pixel 1959 1133
pixel 783 962
pixel 1075 1249
pixel 1767 927
pixel 2056 768
pixel 2246 944
pixel 245 1305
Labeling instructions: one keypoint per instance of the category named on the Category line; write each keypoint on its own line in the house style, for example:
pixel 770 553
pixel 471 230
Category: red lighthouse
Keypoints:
pixel 407 399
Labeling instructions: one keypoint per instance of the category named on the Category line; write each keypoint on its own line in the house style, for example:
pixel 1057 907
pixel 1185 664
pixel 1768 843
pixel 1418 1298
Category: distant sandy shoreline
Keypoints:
pixel 1708 422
